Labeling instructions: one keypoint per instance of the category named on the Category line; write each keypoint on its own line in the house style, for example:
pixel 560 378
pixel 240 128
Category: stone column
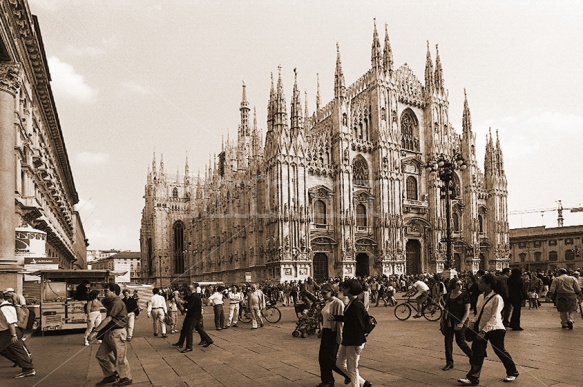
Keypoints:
pixel 10 82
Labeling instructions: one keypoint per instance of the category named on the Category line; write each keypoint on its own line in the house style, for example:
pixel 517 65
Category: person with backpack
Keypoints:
pixel 11 342
pixel 355 320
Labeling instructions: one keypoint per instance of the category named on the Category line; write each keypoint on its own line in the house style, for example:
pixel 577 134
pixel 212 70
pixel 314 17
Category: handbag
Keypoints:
pixel 168 320
pixel 472 331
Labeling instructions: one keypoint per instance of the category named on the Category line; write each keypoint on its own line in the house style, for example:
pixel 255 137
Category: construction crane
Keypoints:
pixel 542 211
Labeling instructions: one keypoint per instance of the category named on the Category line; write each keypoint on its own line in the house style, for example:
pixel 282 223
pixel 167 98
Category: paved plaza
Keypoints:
pixel 398 353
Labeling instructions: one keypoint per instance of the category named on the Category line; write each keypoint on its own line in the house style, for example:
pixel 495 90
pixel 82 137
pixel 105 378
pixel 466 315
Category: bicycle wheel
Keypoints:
pixel 402 312
pixel 432 312
pixel 245 317
pixel 272 314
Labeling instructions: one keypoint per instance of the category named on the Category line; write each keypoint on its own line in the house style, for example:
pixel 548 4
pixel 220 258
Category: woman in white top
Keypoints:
pixel 331 337
pixel 490 328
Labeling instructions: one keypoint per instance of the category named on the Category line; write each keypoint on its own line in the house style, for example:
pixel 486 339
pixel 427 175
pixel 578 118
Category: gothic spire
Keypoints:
pixel 280 105
pixel 339 86
pixel 439 84
pixel 306 111
pixel 428 71
pixel 244 128
pixel 376 56
pixel 154 163
pixel 296 107
pixel 388 53
pixel 270 106
pixel 467 118
pixel 499 156
pixel 161 164
pixel 318 87
pixel 186 166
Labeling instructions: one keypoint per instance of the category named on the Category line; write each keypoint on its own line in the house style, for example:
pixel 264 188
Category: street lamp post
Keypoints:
pixel 445 167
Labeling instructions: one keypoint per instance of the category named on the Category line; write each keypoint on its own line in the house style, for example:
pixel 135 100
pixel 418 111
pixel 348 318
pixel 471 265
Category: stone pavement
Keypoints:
pixel 398 353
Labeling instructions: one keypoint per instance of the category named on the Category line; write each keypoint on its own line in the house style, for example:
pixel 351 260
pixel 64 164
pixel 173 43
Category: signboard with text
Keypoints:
pixel 32 264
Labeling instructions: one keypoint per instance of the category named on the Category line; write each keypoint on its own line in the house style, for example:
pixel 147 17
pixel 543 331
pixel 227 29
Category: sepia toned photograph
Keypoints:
pixel 290 193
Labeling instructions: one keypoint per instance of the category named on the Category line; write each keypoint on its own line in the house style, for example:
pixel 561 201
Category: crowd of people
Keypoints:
pixel 477 306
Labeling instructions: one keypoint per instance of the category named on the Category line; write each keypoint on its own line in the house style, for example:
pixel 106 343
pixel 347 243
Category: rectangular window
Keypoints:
pixel 568 241
pixel 537 243
pixel 522 245
pixel 552 242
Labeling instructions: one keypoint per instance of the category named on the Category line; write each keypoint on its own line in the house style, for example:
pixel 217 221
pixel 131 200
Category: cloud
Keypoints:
pixel 67 83
pixel 137 88
pixel 90 159
pixel 85 206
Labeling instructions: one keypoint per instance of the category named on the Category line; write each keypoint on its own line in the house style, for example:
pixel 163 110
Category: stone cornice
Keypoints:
pixel 26 25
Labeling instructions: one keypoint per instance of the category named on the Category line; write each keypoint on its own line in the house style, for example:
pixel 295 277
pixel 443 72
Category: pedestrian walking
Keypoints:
pixel 93 312
pixel 133 312
pixel 489 328
pixel 173 310
pixel 235 299
pixel 192 321
pixel 256 303
pixel 456 314
pixel 516 295
pixel 112 352
pixel 331 337
pixel 216 300
pixel 566 293
pixel 353 338
pixel 11 344
pixel 157 309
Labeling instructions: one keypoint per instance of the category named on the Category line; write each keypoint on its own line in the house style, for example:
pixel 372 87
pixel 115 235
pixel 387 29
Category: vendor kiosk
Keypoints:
pixel 59 307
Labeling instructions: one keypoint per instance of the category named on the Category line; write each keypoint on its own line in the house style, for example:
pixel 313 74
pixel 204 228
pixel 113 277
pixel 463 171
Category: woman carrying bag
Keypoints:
pixel 457 311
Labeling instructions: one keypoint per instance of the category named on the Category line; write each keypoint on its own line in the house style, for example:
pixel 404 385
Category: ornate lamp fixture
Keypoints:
pixel 445 166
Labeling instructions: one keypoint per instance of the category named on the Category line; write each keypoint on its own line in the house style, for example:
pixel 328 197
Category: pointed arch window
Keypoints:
pixel 409 131
pixel 360 171
pixel 178 247
pixel 480 224
pixel 412 188
pixel 319 212
pixel 175 192
pixel 361 220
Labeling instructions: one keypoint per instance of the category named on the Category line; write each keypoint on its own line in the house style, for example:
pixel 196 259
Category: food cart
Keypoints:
pixel 59 308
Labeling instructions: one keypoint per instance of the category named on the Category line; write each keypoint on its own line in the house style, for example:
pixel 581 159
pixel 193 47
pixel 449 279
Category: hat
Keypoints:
pixel 8 290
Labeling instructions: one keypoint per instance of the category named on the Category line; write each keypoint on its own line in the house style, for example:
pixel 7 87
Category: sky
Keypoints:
pixel 134 77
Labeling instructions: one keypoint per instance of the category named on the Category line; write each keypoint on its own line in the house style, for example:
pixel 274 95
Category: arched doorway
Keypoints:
pixel 457 262
pixel 320 267
pixel 362 268
pixel 413 250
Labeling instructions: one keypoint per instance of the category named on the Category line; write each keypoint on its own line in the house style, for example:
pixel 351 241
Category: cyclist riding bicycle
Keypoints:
pixel 420 290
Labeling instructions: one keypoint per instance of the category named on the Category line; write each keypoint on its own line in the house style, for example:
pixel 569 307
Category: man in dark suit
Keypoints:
pixel 192 321
pixel 503 291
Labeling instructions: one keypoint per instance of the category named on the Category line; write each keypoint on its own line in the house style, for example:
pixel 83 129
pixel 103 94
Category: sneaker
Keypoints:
pixel 164 336
pixel 467 382
pixel 510 378
pixel 107 380
pixel 417 316
pixel 570 324
pixel 24 374
pixel 86 343
pixel 100 341
pixel 235 326
pixel 123 382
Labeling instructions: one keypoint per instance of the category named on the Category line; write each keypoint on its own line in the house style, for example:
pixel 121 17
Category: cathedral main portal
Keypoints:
pixel 320 267
pixel 413 256
pixel 362 268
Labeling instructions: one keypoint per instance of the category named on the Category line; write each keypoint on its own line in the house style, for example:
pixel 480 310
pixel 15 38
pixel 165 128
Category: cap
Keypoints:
pixel 8 290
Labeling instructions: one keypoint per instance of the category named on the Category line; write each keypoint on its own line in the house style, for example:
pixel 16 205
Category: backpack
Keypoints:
pixel 369 324
pixel 24 318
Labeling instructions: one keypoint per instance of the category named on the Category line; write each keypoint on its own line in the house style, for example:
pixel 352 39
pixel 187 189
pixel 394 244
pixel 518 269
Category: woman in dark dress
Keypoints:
pixel 457 311
pixel 516 295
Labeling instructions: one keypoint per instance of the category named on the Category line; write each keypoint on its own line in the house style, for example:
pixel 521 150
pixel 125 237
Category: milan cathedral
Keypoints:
pixel 342 191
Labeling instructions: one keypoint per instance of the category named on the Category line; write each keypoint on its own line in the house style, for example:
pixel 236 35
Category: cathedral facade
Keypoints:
pixel 343 191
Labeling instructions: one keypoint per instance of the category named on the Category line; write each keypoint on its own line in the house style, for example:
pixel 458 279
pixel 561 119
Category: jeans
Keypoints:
pixel 460 340
pixel 233 314
pixel 219 316
pixel 93 320
pixel 158 318
pixel 131 324
pixel 496 339
pixel 348 357
pixel 114 342
pixel 515 317
pixel 327 356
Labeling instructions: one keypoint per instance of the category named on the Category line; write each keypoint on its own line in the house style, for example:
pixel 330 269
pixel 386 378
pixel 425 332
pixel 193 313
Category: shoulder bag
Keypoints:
pixel 472 331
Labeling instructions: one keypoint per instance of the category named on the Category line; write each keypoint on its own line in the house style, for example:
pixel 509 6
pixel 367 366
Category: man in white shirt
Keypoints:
pixel 235 299
pixel 216 300
pixel 421 292
pixel 157 309
pixel 11 339
pixel 490 328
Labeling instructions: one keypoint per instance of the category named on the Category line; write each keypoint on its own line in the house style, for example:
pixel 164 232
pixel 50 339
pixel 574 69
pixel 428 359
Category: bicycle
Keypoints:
pixel 271 313
pixel 429 309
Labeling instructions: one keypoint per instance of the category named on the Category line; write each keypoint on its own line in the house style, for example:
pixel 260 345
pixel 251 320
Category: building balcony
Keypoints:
pixel 415 206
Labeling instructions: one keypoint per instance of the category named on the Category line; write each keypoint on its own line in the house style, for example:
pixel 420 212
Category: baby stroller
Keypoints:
pixel 309 320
